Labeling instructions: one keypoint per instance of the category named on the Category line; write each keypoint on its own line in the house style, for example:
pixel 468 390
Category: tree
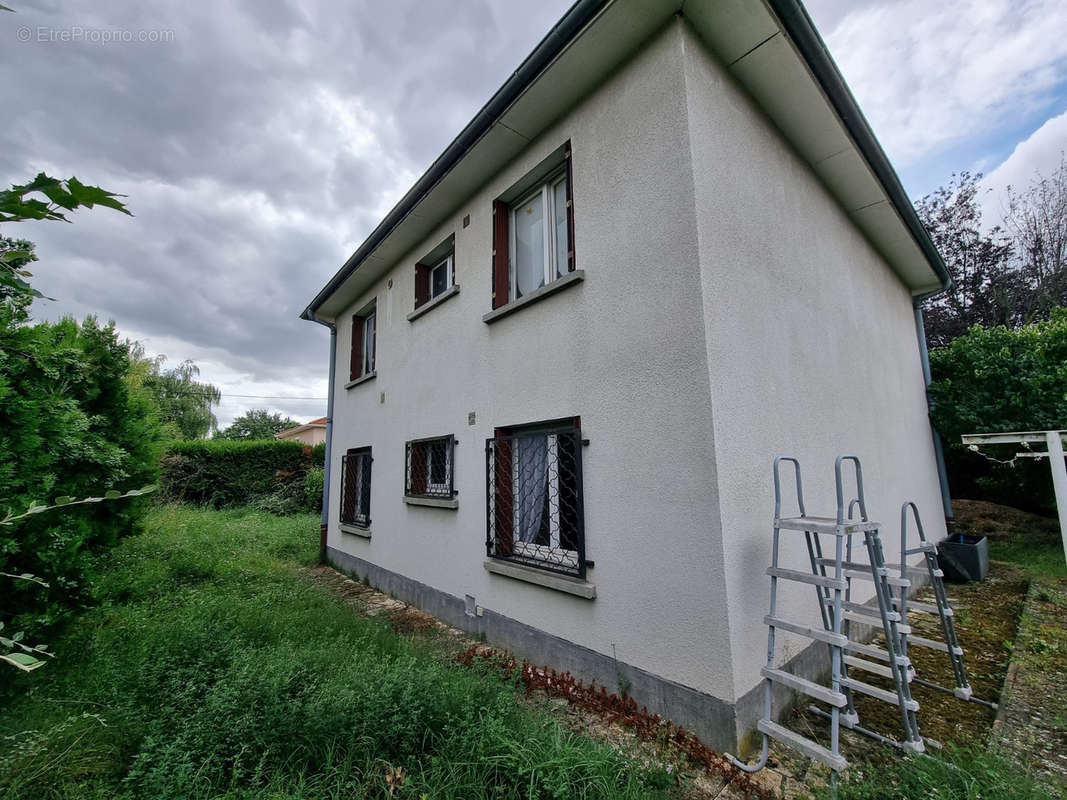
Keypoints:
pixel 184 403
pixel 256 424
pixel 984 286
pixel 1037 222
pixel 997 380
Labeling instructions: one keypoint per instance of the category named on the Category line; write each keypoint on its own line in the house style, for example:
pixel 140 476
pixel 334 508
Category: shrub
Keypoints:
pixel 998 380
pixel 313 487
pixel 266 474
pixel 74 421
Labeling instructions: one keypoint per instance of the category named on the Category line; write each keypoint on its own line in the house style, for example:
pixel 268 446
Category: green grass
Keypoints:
pixel 1041 558
pixel 212 668
pixel 955 774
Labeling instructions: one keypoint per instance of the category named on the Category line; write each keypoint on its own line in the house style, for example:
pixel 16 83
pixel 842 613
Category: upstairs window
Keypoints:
pixel 533 230
pixel 355 487
pixel 364 336
pixel 429 468
pixel 435 273
pixel 535 507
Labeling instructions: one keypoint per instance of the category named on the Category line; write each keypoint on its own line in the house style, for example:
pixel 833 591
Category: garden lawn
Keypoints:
pixel 211 667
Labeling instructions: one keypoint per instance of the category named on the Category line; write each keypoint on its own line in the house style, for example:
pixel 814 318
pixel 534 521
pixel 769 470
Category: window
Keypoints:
pixel 355 487
pixel 533 230
pixel 435 273
pixel 539 238
pixel 364 343
pixel 535 513
pixel 428 468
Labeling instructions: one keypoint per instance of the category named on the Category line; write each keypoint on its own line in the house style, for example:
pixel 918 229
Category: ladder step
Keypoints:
pixel 858 571
pixel 820 634
pixel 806 577
pixel 926 547
pixel 871 651
pixel 878 694
pixel 926 608
pixel 877 669
pixel 807 687
pixel 864 619
pixel 811 749
pixel 919 571
pixel 825 525
pixel 932 644
pixel 864 611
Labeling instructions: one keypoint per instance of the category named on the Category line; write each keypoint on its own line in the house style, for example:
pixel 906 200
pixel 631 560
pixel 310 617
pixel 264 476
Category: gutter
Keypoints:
pixel 798 25
pixel 551 46
pixel 325 519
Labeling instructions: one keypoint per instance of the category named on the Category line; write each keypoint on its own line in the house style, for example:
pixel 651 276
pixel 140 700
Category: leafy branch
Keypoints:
pixel 62 502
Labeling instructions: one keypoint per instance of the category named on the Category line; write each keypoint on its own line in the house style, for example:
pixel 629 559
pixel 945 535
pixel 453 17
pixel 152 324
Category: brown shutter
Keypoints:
pixel 418 468
pixel 570 207
pixel 355 363
pixel 422 284
pixel 500 254
pixel 504 500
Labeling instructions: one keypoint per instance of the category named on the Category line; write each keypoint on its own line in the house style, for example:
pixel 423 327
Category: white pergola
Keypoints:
pixel 1053 440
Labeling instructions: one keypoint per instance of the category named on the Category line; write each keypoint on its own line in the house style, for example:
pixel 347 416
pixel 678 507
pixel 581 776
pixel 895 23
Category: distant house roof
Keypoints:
pixel 288 433
pixel 771 47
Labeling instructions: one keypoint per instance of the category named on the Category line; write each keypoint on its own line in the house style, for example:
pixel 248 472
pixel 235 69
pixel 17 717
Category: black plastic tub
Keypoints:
pixel 964 558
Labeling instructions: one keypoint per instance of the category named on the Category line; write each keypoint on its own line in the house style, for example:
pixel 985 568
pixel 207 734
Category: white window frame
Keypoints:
pixel 370 350
pixel 552 551
pixel 446 264
pixel 551 270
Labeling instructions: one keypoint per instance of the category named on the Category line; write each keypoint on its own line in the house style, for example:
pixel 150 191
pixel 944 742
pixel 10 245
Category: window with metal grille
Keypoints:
pixel 428 467
pixel 534 512
pixel 355 487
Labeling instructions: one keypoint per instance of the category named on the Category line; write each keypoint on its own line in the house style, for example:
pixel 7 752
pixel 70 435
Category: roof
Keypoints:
pixel 307 426
pixel 772 49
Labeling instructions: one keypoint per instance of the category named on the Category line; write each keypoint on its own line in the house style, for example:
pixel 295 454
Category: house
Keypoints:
pixel 667 250
pixel 312 433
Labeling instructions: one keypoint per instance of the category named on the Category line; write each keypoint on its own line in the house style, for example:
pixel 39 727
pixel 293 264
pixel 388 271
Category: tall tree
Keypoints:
pixel 184 403
pixel 256 424
pixel 1037 221
pixel 984 285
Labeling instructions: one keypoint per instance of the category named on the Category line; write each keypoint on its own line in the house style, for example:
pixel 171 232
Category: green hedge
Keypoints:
pixel 271 475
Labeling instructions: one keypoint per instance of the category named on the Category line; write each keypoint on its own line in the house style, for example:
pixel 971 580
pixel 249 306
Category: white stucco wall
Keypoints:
pixel 624 350
pixel 812 352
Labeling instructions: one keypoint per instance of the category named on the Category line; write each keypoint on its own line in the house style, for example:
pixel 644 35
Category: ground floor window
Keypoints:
pixel 429 467
pixel 355 487
pixel 535 507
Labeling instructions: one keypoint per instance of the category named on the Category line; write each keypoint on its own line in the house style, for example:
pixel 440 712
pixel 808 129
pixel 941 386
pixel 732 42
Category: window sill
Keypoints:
pixel 355 530
pixel 570 279
pixel 561 583
pixel 418 312
pixel 368 377
pixel 431 502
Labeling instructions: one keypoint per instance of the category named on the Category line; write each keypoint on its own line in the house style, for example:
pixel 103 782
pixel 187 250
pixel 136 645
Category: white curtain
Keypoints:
pixel 531 484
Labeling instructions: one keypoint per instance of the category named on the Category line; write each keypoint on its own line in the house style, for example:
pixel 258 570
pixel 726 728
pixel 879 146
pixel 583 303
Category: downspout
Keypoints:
pixel 324 522
pixel 939 451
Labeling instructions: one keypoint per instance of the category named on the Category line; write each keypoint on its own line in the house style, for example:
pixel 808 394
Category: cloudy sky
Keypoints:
pixel 260 141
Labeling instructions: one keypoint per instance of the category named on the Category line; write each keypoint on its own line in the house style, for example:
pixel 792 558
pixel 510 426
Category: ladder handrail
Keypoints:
pixel 841 490
pixel 778 486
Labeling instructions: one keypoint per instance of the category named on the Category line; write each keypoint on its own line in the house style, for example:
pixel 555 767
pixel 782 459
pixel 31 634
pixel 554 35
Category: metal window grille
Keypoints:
pixel 355 487
pixel 428 467
pixel 534 513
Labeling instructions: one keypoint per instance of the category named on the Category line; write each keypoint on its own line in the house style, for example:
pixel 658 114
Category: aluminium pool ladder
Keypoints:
pixel 833 589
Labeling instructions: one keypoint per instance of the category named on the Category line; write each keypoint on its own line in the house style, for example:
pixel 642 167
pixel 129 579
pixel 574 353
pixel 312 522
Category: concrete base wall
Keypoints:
pixel 709 717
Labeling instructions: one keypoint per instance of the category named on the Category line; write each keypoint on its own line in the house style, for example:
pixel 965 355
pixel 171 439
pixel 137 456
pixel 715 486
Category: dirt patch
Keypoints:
pixel 1032 722
pixel 987 616
pixel 1003 522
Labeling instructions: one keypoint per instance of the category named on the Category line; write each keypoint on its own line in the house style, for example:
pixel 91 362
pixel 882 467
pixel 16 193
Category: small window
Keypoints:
pixel 539 237
pixel 533 230
pixel 355 487
pixel 441 277
pixel 535 506
pixel 369 343
pixel 429 468
pixel 435 273
pixel 364 343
